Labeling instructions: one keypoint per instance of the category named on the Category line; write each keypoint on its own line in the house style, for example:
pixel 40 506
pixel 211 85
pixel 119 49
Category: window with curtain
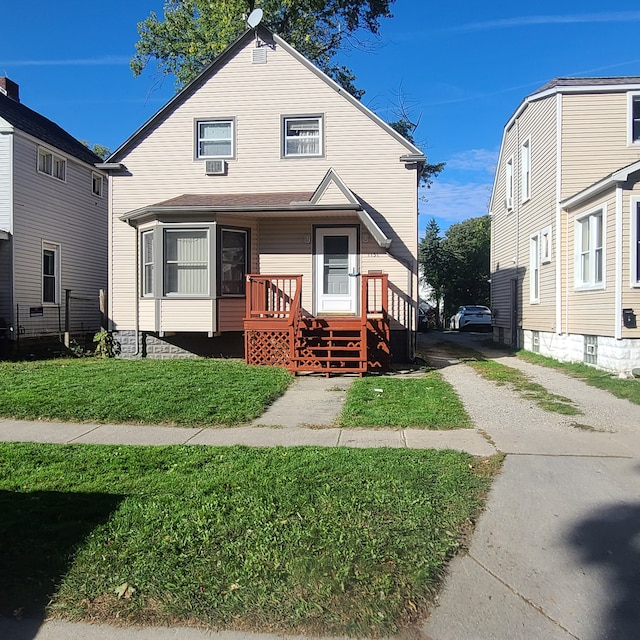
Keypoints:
pixel 302 136
pixel 233 261
pixel 534 269
pixel 589 250
pixel 186 262
pixel 215 139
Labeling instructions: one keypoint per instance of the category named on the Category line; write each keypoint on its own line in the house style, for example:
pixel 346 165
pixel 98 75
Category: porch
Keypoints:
pixel 279 332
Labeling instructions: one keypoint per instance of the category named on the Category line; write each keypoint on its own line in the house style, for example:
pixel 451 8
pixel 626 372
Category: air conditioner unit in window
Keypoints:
pixel 215 167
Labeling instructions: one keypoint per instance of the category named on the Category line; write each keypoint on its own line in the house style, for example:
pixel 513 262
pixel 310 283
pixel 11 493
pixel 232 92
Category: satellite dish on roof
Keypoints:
pixel 254 18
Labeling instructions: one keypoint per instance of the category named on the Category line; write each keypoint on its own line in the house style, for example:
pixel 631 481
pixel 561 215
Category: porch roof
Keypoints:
pixel 278 204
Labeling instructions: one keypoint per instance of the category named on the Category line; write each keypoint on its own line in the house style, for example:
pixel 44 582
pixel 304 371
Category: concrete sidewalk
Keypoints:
pixel 554 556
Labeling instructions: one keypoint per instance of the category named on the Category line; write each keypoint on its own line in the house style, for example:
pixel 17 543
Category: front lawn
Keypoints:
pixel 290 540
pixel 427 402
pixel 180 392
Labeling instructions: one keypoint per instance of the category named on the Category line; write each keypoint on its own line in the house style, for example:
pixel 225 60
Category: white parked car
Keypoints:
pixel 471 317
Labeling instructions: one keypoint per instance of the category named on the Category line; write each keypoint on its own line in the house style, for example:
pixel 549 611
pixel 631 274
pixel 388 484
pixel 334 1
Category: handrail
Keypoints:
pixel 277 297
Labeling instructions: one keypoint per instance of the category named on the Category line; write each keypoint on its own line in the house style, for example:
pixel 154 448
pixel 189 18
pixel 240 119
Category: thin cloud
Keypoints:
pixel 526 21
pixel 454 201
pixel 77 62
pixel 474 160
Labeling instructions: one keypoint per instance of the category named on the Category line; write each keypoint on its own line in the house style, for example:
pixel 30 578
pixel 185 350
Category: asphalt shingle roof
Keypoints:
pixel 36 125
pixel 586 82
pixel 237 199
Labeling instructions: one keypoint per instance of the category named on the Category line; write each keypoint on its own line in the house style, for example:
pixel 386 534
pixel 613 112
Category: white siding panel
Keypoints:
pixel 147 314
pixel 6 140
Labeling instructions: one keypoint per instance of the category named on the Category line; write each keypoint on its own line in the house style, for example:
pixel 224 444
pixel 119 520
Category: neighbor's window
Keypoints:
pixel 186 262
pixel 97 184
pixel 50 273
pixel 534 268
pixel 215 139
pixel 634 118
pixel 147 262
pixel 508 186
pixel 233 261
pixel 545 245
pixel 635 247
pixel 52 164
pixel 525 171
pixel 589 250
pixel 302 136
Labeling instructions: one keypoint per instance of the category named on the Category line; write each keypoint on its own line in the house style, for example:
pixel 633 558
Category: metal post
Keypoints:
pixel 67 309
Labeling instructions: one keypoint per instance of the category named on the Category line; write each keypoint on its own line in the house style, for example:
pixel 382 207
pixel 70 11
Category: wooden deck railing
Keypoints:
pixel 275 297
pixel 276 333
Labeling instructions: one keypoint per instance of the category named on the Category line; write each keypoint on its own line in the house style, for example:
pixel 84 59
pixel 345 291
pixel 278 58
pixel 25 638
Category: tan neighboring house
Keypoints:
pixel 565 211
pixel 265 212
pixel 53 229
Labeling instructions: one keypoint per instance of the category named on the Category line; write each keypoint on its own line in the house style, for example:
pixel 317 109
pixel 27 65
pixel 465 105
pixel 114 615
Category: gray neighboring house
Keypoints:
pixel 53 226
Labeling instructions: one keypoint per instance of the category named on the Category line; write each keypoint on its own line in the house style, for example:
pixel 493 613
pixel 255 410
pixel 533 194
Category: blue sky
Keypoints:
pixel 463 68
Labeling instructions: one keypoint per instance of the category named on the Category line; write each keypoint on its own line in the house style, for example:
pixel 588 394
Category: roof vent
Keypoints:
pixel 259 55
pixel 215 167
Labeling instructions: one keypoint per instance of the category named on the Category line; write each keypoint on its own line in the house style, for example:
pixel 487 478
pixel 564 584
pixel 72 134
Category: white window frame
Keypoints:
pixel 525 170
pixel 546 245
pixel 590 282
pixel 286 120
pixel 634 253
pixel 231 139
pixel 178 294
pixel 55 249
pixel 147 267
pixel 54 165
pixel 97 184
pixel 632 97
pixel 508 184
pixel 534 268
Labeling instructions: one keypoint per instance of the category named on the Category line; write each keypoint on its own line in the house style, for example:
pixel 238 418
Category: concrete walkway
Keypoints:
pixel 555 555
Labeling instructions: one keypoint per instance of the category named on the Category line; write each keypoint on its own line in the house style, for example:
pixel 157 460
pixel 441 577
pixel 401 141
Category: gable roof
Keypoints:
pixel 36 125
pixel 607 81
pixel 414 155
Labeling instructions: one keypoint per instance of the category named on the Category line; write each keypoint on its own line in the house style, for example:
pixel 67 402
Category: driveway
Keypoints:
pixel 556 554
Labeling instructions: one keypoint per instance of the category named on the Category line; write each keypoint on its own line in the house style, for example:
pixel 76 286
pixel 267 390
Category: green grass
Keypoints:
pixel 178 392
pixel 304 540
pixel 628 389
pixel 518 381
pixel 426 403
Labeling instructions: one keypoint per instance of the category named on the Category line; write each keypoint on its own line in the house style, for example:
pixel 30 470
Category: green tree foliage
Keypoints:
pixel 457 265
pixel 193 32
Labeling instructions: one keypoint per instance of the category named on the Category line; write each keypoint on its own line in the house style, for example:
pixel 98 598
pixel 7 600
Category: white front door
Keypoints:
pixel 337 281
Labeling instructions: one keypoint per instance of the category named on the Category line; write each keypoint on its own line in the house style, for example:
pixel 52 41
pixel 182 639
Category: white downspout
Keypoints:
pixel 618 252
pixel 558 238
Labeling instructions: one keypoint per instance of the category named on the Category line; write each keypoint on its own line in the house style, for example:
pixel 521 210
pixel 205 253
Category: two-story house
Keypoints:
pixel 565 210
pixel 265 211
pixel 53 227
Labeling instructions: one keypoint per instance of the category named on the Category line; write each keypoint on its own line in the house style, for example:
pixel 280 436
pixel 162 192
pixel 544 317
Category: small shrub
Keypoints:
pixel 106 345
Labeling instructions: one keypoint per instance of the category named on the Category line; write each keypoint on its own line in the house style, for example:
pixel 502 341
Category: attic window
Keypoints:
pixel 51 164
pixel 96 184
pixel 302 136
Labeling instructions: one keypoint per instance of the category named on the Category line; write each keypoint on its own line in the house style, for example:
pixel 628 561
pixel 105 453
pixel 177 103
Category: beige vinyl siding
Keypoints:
pixel 365 156
pixel 187 315
pixel 630 293
pixel 512 230
pixel 147 314
pixel 594 139
pixel 64 213
pixel 592 312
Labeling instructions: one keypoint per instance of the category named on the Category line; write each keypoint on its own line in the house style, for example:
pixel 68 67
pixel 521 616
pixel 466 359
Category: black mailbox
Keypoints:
pixel 629 318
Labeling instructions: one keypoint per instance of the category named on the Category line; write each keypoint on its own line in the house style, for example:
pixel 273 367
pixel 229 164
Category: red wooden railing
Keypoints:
pixel 277 334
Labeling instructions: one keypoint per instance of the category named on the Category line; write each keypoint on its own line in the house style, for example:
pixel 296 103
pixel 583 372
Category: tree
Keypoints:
pixel 98 149
pixel 467 245
pixel 432 259
pixel 457 265
pixel 194 32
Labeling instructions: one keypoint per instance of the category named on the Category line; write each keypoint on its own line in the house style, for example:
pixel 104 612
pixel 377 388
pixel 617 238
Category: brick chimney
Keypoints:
pixel 10 89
